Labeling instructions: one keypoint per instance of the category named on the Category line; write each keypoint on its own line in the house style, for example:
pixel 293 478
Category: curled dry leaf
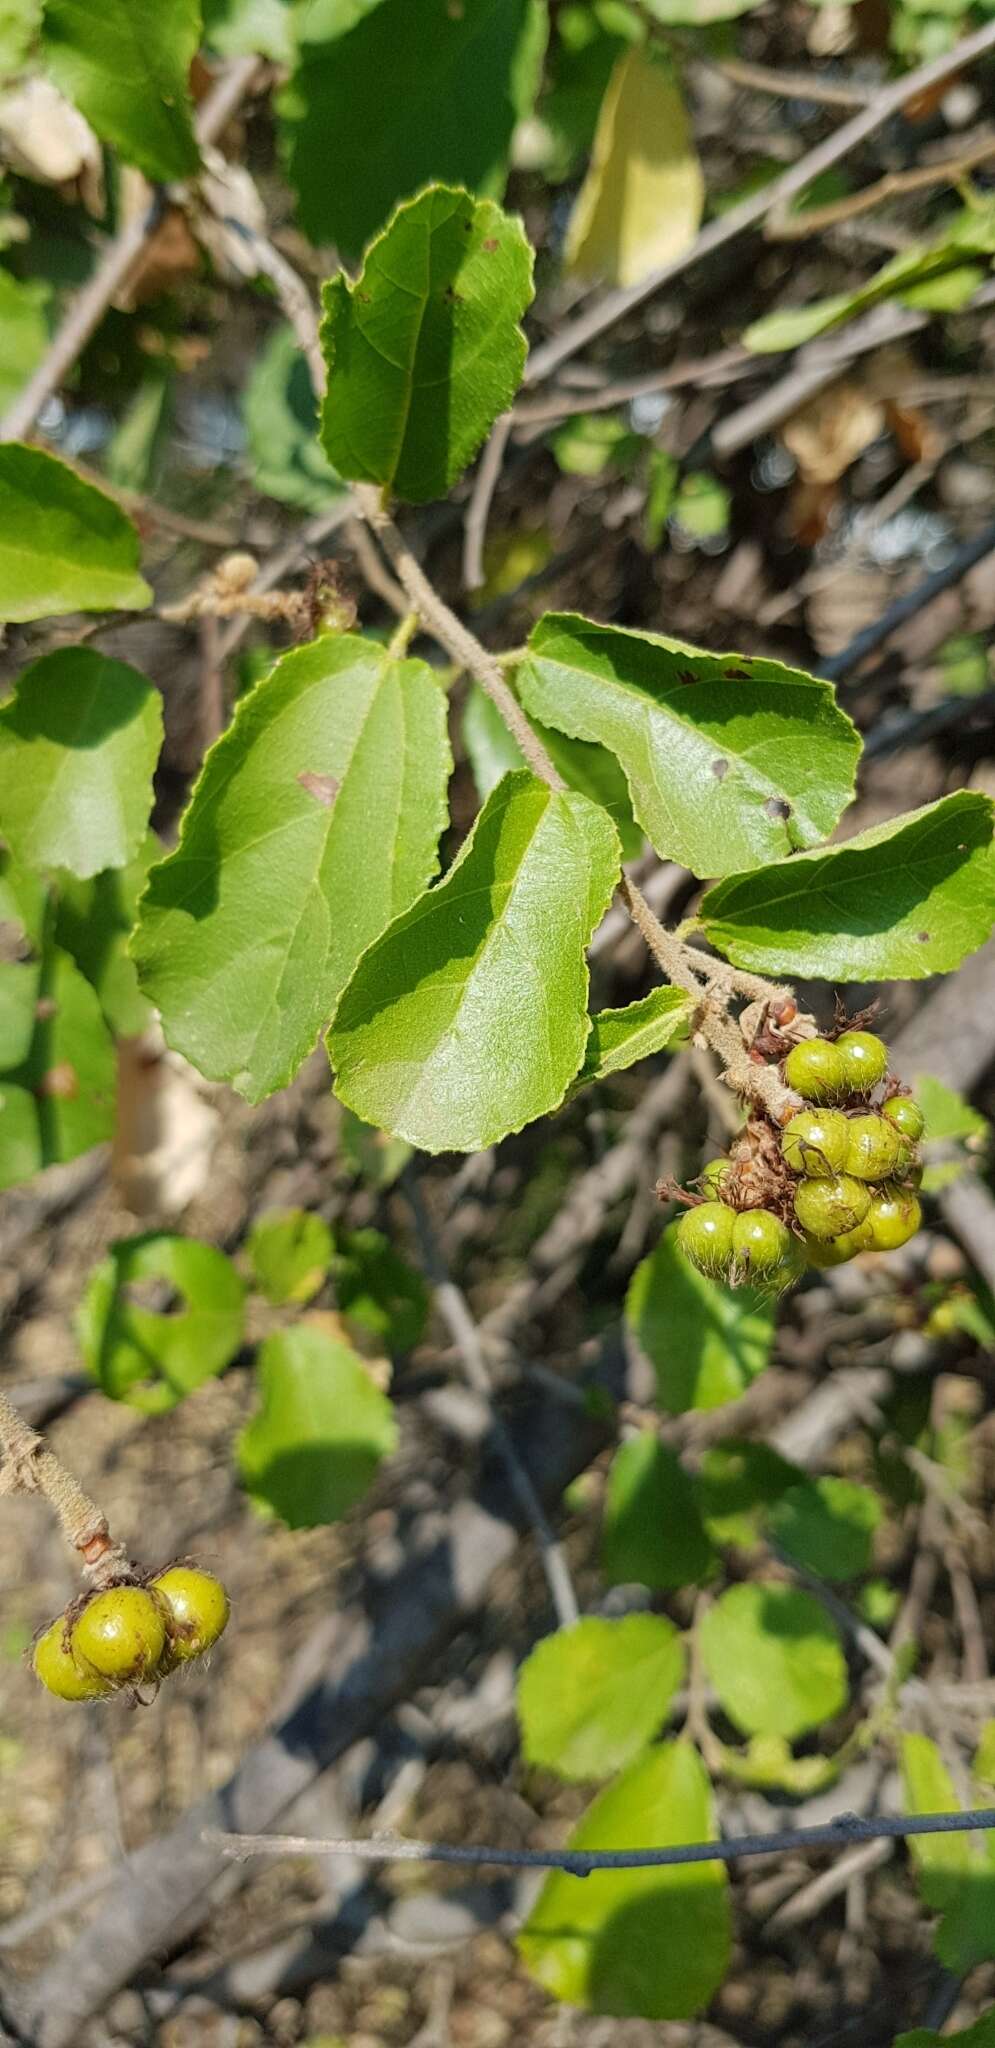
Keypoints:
pixel 827 435
pixel 43 137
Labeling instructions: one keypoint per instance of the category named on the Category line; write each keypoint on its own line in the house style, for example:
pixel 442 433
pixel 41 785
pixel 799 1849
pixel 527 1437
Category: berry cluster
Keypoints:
pixel 131 1634
pixel 839 1179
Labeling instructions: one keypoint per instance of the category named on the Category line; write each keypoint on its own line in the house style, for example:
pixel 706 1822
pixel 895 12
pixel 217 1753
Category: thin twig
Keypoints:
pixel 116 264
pixel 485 484
pixel 843 1832
pixel 30 1467
pixel 454 1310
pixel 760 206
pixel 894 185
pixel 793 85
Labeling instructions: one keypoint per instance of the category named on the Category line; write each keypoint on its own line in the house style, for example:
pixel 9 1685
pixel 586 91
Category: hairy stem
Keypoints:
pixel 30 1467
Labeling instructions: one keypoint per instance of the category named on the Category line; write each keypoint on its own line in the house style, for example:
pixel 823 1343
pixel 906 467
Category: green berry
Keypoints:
pixel 705 1237
pixel 198 1610
pixel 829 1208
pixel 59 1671
pixel 906 1116
pixel 874 1148
pixel 865 1061
pixel 893 1217
pixel 714 1174
pixel 814 1069
pixel 815 1143
pixel 760 1243
pixel 837 1251
pixel 121 1634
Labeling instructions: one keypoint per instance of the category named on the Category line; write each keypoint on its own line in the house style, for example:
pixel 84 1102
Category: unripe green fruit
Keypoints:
pixel 865 1061
pixel 893 1217
pixel 713 1175
pixel 874 1148
pixel 705 1236
pixel 59 1671
pixel 814 1069
pixel 761 1243
pixel 815 1143
pixel 198 1610
pixel 906 1116
pixel 121 1634
pixel 837 1251
pixel 829 1208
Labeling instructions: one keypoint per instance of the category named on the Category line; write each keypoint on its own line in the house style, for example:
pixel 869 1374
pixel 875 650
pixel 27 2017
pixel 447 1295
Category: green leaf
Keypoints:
pixel 947 1114
pixel 316 820
pixel 641 202
pixel 646 1944
pixel 312 1448
pixel 652 1534
pixel 79 741
pixel 468 1018
pixel 425 349
pixel 730 760
pixel 581 57
pixel 621 1037
pixel 931 274
pixel 151 1357
pixel 19 23
pixel 142 434
pixel 374 1155
pixel 660 496
pixel 907 899
pixel 281 422
pixel 93 922
pixel 469 74
pixel 589 769
pixel 775 1660
pixel 827 1525
pixel 592 1696
pixel 592 442
pixel 736 1483
pixel 981 2035
pixel 23 326
pixel 125 65
pixel 705 1342
pixel 245 28
pixel 64 546
pixel 698 13
pixel 57 1095
pixel 377 1289
pixel 954 1878
pixel 290 1252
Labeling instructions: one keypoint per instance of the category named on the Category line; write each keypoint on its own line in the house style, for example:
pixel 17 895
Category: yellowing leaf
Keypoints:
pixel 641 202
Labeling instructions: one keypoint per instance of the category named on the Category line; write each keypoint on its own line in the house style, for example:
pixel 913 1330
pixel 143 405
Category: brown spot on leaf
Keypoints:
pixel 720 769
pixel 490 245
pixel 45 1007
pixel 323 788
pixel 777 809
pixel 686 675
pixel 61 1083
pixel 923 938
pixel 737 675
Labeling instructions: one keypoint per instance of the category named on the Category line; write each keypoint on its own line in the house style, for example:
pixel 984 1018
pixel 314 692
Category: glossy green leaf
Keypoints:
pixel 153 1356
pixel 932 274
pixel 316 820
pixel 589 769
pixel 281 421
pixel 469 74
pixel 57 1094
pixel 468 1018
pixel 621 1037
pixel 652 1535
pixel 774 1658
pixel 322 1428
pixel 93 922
pixel 735 1485
pixel 289 1252
pixel 907 899
pixel 731 761
pixel 245 28
pixel 646 1944
pixel 955 1878
pixel 592 1696
pixel 425 349
pixel 705 1341
pixel 377 1289
pixel 23 325
pixel 79 741
pixel 125 64
pixel 827 1525
pixel 64 546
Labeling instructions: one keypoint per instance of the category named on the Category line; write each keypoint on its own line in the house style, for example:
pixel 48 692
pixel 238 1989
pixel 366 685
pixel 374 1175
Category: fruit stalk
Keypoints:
pixel 30 1467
